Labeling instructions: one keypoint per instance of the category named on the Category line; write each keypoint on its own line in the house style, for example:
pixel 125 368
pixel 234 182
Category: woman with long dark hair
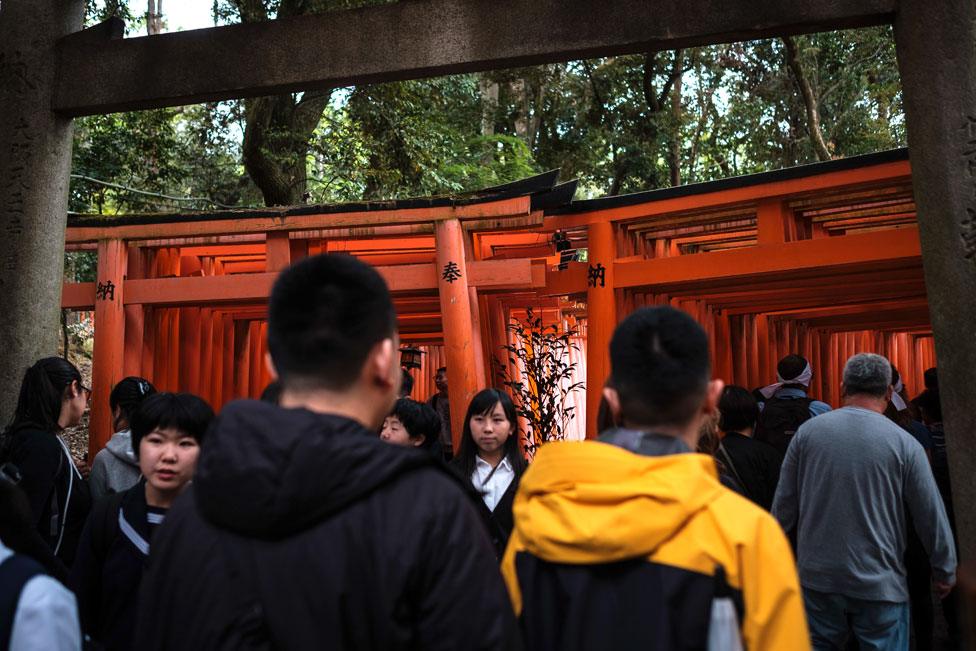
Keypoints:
pixel 491 459
pixel 52 398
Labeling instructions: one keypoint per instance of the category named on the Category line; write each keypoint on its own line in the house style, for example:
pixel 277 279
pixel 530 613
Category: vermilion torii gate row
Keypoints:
pixel 823 261
pixel 184 302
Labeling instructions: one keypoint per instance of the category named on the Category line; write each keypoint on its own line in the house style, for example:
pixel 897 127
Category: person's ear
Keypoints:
pixel 712 395
pixel 383 369
pixel 889 392
pixel 417 442
pixel 613 403
pixel 269 364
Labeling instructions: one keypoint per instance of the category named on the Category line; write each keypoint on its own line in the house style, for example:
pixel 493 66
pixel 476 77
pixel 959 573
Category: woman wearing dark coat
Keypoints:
pixel 491 460
pixel 51 399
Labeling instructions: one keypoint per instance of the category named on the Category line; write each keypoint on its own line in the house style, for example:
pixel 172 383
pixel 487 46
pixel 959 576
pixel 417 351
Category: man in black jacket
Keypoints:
pixel 302 529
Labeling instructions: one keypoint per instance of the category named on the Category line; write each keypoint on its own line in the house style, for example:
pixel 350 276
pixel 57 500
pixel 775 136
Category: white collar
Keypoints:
pixel 504 464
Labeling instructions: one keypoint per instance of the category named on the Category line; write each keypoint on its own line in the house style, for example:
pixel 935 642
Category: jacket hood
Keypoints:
pixel 591 502
pixel 270 472
pixel 120 445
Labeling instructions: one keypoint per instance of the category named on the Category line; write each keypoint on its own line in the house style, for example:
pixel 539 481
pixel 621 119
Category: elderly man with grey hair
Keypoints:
pixel 848 477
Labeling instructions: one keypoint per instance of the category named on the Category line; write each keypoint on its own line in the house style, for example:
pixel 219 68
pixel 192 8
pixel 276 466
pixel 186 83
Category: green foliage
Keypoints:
pixel 543 383
pixel 618 124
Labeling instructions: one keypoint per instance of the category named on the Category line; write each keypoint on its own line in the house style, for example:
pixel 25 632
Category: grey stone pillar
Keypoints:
pixel 35 159
pixel 936 43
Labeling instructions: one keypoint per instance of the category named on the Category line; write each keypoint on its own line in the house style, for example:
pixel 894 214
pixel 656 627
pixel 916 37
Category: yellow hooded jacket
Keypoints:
pixel 665 525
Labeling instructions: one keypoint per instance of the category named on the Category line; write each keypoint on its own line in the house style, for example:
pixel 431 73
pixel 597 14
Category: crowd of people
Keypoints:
pixel 333 513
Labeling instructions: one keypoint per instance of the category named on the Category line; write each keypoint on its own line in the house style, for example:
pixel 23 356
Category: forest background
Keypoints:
pixel 618 124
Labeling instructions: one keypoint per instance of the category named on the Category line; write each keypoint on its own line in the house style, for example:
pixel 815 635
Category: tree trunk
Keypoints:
pixel 810 100
pixel 488 90
pixel 154 17
pixel 674 137
pixel 279 127
pixel 275 146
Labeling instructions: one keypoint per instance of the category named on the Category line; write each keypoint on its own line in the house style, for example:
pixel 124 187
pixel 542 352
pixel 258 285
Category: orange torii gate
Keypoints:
pixel 823 260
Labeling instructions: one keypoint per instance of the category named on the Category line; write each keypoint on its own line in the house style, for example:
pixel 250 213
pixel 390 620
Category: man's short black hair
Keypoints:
pixel 325 315
pixel 418 419
pixel 183 411
pixel 660 367
pixel 442 369
pixel 738 409
pixel 791 366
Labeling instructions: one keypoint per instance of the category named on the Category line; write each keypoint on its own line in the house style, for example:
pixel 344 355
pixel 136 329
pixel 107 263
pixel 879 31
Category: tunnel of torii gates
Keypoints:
pixel 823 260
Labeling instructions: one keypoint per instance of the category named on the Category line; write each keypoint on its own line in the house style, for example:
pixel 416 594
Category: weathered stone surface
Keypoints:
pixel 419 38
pixel 35 157
pixel 936 45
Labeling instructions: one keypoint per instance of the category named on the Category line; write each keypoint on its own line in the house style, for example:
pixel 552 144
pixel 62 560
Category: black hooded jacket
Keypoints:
pixel 304 530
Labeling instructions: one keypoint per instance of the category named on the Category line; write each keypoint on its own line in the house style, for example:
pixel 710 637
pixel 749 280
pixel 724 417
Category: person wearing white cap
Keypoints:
pixel 786 404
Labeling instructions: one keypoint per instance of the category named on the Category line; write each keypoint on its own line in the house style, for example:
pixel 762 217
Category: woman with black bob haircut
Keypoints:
pixel 413 424
pixel 491 459
pixel 167 430
pixel 52 398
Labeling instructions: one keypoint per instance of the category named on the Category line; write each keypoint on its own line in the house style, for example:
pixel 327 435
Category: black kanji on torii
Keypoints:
pixel 451 272
pixel 597 274
pixel 105 291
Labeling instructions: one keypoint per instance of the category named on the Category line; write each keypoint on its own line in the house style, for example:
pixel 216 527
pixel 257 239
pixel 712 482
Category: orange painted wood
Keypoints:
pixel 206 353
pixel 458 322
pixel 78 296
pixel 477 340
pixel 255 363
pixel 229 357
pixel 148 342
pixel 215 388
pixel 242 359
pixel 861 248
pixel 109 346
pixel 601 314
pixel 501 208
pixel 900 170
pixel 771 218
pixel 190 350
pixel 278 254
pixel 134 318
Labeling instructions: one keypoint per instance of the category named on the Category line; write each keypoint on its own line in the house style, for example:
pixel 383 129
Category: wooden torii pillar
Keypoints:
pixel 109 347
pixel 601 317
pixel 458 323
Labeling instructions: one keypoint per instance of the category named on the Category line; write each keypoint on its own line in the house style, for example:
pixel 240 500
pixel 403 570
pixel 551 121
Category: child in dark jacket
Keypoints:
pixel 167 430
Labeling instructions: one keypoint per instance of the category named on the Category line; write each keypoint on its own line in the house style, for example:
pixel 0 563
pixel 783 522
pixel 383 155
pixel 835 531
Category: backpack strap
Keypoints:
pixel 728 460
pixel 15 572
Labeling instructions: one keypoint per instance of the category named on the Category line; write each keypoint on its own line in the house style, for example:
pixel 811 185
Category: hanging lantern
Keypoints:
pixel 410 357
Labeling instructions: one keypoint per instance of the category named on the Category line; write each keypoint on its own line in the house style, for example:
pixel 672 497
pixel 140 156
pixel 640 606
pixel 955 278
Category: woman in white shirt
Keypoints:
pixel 491 459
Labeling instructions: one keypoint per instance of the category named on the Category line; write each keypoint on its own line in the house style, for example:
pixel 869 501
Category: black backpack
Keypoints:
pixel 779 420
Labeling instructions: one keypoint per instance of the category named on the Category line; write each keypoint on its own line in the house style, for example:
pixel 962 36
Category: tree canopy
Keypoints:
pixel 619 124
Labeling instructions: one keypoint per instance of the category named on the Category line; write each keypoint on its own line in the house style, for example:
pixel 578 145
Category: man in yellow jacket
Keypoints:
pixel 631 542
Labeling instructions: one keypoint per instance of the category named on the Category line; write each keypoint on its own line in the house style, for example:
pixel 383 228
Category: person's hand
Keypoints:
pixel 943 589
pixel 83 467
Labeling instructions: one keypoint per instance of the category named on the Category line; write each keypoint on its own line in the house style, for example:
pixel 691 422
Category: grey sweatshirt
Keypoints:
pixel 846 481
pixel 115 468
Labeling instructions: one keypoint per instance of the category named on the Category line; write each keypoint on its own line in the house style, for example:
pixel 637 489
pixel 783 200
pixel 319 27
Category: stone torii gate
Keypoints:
pixel 49 74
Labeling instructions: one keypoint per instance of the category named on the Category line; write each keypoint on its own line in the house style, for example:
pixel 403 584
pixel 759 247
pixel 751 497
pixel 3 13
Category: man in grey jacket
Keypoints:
pixel 847 480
